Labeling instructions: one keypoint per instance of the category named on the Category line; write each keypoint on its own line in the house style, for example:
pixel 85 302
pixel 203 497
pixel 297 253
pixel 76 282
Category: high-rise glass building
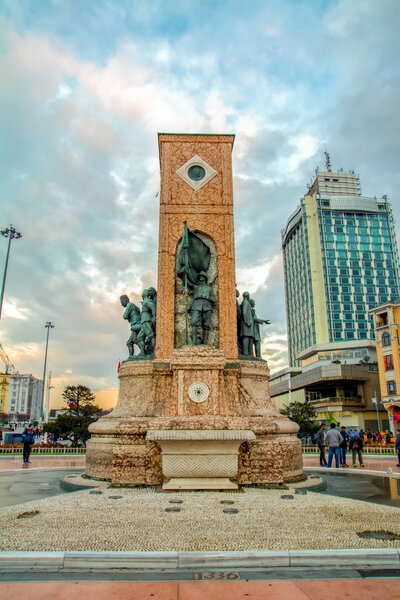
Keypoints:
pixel 340 260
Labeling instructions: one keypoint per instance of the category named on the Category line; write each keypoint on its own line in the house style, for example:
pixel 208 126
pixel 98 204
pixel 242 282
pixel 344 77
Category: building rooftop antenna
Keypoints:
pixel 328 161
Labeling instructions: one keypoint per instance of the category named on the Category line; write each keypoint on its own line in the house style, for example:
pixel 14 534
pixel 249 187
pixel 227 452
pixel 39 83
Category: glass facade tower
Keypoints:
pixel 340 260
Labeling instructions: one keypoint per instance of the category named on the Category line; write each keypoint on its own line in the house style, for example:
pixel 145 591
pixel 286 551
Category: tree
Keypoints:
pixel 81 412
pixel 303 414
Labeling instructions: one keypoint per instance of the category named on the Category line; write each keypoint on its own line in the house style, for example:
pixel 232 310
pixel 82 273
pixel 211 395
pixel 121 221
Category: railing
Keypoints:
pixel 383 450
pixel 338 400
pixel 13 450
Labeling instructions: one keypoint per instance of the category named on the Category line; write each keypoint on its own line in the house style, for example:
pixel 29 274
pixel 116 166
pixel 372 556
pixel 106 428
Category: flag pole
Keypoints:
pixel 186 311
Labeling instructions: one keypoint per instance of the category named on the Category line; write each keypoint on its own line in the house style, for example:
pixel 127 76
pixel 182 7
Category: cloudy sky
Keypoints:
pixel 86 87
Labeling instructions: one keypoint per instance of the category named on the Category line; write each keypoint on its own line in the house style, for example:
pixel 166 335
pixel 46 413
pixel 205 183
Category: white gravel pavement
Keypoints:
pixel 137 521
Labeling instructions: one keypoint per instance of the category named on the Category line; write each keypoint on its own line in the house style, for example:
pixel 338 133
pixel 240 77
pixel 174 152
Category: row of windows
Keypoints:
pixel 352 335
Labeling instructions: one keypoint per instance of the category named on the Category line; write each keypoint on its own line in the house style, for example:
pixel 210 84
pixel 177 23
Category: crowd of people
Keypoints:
pixel 338 442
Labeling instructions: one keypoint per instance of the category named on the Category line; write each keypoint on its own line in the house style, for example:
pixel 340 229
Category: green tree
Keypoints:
pixel 81 412
pixel 303 414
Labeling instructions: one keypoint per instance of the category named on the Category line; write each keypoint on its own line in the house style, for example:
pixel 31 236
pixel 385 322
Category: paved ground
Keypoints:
pixel 349 589
pixel 17 487
pixel 306 584
pixel 375 463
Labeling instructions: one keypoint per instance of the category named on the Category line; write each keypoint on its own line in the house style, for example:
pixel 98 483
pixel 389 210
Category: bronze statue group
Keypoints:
pixel 142 322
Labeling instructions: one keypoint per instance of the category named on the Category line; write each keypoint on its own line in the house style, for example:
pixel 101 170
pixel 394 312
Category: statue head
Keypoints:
pixel 237 293
pixel 252 302
pixel 145 293
pixel 124 300
pixel 151 292
pixel 202 277
pixel 246 295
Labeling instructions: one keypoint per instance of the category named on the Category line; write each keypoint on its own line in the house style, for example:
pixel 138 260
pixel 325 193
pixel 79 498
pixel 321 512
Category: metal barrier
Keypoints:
pixel 51 451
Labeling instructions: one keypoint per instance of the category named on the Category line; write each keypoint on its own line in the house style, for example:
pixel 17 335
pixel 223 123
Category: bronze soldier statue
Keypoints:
pixel 201 308
pixel 131 314
pixel 147 333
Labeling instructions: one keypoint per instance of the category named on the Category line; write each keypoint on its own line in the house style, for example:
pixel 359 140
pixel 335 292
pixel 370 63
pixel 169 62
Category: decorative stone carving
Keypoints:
pixel 196 172
pixel 198 391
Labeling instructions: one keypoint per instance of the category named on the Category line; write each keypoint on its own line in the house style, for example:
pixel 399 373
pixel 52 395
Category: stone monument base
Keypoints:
pixel 199 459
pixel 124 450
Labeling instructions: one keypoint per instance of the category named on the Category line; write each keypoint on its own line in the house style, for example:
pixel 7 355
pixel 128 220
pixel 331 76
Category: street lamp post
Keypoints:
pixel 48 326
pixel 11 233
pixel 375 401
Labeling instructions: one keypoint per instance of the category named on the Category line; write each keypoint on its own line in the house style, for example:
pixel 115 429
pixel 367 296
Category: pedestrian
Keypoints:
pixel 356 445
pixel 343 446
pixel 378 437
pixel 388 437
pixel 333 438
pixel 320 441
pixel 369 436
pixel 374 438
pixel 28 439
pixel 397 446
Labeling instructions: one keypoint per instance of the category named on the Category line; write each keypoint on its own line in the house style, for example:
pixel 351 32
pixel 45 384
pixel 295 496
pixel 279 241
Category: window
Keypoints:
pixel 386 339
pixel 391 387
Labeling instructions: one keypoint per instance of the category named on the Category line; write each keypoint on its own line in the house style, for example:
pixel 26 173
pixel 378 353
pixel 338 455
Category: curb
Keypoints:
pixel 101 561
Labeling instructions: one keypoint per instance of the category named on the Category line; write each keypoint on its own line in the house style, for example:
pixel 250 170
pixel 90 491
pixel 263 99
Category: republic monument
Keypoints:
pixel 193 412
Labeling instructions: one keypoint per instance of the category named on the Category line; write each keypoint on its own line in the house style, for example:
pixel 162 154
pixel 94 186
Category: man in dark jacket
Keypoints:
pixel 356 445
pixel 28 439
pixel 343 446
pixel 397 446
pixel 320 441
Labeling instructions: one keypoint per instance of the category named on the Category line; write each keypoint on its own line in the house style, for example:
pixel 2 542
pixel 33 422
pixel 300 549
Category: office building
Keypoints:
pixel 24 401
pixel 340 260
pixel 387 327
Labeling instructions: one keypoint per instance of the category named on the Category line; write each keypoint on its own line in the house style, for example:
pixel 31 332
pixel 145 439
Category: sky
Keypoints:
pixel 87 85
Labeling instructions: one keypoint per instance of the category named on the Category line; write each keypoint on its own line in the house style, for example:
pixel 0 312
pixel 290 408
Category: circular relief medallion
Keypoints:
pixel 198 391
pixel 196 172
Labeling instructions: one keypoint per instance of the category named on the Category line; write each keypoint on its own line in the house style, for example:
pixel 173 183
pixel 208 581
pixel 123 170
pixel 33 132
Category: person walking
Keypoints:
pixel 28 438
pixel 320 441
pixel 343 446
pixel 333 439
pixel 356 445
pixel 397 446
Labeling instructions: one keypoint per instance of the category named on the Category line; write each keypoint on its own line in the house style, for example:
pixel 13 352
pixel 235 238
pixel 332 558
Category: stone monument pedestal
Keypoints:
pixel 126 449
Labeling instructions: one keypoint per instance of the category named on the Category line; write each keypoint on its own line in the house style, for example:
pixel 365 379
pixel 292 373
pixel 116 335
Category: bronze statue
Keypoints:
pixel 202 305
pixel 257 323
pixel 147 334
pixel 238 322
pixel 131 314
pixel 246 325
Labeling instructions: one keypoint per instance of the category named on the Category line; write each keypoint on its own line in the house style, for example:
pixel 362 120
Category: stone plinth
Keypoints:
pixel 200 459
pixel 154 395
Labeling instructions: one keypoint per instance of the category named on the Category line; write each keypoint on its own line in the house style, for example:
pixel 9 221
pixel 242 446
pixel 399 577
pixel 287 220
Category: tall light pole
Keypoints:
pixel 12 234
pixel 375 401
pixel 48 326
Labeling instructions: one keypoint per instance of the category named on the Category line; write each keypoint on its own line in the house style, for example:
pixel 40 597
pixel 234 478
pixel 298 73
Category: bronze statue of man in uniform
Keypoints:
pixel 131 314
pixel 201 308
pixel 147 333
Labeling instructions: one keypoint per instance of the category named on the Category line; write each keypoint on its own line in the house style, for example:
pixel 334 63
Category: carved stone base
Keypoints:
pixel 156 395
pixel 203 483
pixel 193 459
